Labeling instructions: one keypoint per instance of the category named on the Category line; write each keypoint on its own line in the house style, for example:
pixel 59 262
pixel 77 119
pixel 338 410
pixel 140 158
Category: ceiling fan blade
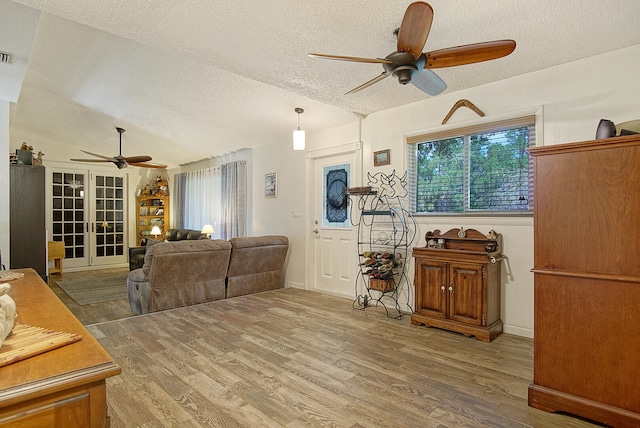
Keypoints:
pixel 93 160
pixel 351 58
pixel 109 158
pixel 137 159
pixel 369 83
pixel 415 28
pixel 469 54
pixel 148 165
pixel 429 82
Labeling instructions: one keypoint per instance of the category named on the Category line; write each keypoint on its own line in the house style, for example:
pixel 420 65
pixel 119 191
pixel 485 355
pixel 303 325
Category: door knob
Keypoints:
pixel 315 231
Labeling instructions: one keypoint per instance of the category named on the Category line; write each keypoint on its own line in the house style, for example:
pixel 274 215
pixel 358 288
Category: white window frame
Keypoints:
pixel 534 114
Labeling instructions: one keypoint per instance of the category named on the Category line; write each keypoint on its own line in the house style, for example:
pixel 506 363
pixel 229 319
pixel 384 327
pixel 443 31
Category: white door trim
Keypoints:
pixel 311 156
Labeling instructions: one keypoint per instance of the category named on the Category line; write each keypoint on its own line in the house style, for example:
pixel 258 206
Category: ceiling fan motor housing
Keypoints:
pixel 404 67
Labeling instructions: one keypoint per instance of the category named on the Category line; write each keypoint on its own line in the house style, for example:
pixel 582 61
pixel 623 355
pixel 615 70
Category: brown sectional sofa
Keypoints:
pixel 183 273
pixel 136 254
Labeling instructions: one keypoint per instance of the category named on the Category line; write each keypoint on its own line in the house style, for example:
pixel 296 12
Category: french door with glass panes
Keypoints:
pixel 107 211
pixel 88 215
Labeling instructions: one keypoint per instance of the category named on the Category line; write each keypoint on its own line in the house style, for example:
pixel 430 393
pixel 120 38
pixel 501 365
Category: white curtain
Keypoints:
pixel 197 195
pixel 234 199
pixel 215 196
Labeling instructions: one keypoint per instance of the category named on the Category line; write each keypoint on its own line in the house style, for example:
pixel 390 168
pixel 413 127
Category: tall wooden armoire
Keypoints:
pixel 587 280
pixel 27 225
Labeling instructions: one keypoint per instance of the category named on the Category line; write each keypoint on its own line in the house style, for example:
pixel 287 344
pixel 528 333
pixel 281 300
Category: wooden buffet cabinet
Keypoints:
pixel 64 387
pixel 587 280
pixel 458 283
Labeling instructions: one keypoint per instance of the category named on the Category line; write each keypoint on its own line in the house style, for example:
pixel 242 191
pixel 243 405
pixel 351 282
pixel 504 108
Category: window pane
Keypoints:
pixel 499 170
pixel 440 176
pixel 485 170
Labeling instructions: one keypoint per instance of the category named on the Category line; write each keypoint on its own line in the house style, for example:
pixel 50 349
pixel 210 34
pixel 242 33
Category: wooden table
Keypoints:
pixel 62 387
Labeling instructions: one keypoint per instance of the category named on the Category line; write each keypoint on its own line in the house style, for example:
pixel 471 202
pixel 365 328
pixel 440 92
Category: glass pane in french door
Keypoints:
pixel 109 219
pixel 69 215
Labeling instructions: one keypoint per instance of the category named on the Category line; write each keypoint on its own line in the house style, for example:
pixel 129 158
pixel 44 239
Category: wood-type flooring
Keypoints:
pixel 295 358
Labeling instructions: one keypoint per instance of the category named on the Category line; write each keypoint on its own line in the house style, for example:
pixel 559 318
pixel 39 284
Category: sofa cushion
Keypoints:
pixel 185 246
pixel 191 272
pixel 179 273
pixel 256 264
pixel 182 234
pixel 194 234
pixel 147 257
pixel 171 235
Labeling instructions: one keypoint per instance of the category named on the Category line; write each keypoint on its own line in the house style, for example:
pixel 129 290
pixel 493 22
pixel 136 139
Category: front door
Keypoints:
pixel 335 250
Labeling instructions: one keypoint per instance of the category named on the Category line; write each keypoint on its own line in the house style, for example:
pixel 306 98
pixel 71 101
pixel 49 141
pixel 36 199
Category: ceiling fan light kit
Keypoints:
pixel 298 134
pixel 122 161
pixel 410 65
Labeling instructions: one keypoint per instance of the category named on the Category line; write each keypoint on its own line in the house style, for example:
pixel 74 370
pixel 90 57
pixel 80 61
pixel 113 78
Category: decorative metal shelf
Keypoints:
pixel 386 231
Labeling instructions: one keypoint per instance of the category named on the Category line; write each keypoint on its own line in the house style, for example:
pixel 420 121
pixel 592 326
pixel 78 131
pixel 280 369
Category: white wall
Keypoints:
pixel 572 98
pixel 275 216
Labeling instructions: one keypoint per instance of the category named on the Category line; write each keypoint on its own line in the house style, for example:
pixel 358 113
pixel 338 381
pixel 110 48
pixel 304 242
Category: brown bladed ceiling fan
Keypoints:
pixel 122 161
pixel 410 65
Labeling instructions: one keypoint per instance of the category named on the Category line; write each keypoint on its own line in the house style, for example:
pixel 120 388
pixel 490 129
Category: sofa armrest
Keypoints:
pixel 136 257
pixel 136 250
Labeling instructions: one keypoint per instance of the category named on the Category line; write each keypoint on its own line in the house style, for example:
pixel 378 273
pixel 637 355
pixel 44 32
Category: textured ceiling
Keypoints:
pixel 197 78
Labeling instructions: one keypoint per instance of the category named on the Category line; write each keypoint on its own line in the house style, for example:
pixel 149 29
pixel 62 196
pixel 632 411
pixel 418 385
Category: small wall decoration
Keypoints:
pixel 271 185
pixel 382 157
pixel 158 186
pixel 37 161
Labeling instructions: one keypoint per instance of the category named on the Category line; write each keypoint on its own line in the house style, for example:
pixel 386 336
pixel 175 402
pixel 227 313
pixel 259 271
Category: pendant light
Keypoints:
pixel 298 134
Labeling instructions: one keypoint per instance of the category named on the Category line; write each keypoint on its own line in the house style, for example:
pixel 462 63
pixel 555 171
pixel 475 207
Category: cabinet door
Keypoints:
pixel 431 285
pixel 28 237
pixel 465 293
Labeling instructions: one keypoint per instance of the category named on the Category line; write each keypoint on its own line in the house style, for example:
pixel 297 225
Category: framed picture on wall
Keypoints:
pixel 271 185
pixel 382 157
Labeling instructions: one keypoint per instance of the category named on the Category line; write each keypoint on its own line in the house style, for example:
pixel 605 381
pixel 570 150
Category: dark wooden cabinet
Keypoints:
pixel 458 283
pixel 27 228
pixel 587 280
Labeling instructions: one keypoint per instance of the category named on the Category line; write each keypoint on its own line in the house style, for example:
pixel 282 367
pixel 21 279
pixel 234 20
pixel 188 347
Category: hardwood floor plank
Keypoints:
pixel 260 395
pixel 295 358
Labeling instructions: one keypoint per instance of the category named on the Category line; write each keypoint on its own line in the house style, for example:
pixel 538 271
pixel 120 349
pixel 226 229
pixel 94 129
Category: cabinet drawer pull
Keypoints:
pixel 442 288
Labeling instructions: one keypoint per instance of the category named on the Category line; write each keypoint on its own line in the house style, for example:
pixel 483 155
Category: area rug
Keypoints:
pixel 96 290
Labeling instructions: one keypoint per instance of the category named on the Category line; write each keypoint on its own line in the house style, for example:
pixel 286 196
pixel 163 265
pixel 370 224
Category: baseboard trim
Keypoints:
pixel 517 331
pixel 291 284
pixel 88 268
